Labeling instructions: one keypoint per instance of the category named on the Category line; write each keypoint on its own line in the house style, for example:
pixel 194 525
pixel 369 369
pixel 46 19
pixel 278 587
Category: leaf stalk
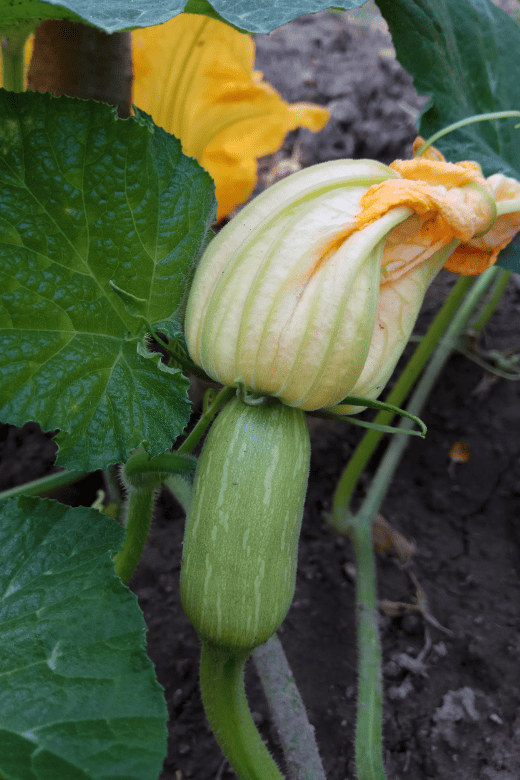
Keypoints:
pixel 45 484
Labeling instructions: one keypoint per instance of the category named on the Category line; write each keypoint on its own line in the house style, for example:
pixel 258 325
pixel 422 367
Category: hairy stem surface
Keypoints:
pixel 296 733
pixel 224 697
pixel 138 512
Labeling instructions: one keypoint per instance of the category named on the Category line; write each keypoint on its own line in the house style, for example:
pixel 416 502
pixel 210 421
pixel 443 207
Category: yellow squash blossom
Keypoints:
pixel 195 77
pixel 312 293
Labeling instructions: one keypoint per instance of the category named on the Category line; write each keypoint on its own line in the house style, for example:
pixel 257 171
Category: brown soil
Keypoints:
pixel 456 714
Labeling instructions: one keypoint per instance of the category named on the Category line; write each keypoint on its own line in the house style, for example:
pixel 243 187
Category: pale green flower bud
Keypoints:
pixel 298 298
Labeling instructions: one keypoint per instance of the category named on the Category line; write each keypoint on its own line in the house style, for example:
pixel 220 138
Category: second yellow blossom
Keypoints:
pixel 195 77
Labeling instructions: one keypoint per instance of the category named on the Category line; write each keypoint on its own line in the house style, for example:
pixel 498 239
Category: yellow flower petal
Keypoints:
pixel 195 76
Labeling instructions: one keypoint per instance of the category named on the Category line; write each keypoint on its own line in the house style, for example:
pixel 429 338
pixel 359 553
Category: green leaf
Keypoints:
pixel 136 307
pixel 263 17
pixel 122 14
pixel 79 698
pixel 464 55
pixel 90 203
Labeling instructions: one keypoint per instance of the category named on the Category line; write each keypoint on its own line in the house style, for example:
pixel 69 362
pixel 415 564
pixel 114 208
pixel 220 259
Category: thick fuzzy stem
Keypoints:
pixel 296 733
pixel 138 514
pixel 224 697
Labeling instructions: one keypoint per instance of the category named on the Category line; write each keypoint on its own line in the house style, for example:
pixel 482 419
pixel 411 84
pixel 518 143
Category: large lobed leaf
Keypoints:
pixel 464 55
pixel 257 17
pixel 79 698
pixel 89 201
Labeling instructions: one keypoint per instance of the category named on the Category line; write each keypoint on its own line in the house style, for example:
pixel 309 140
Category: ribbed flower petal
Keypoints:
pixel 399 304
pixel 273 306
pixel 312 294
pixel 195 76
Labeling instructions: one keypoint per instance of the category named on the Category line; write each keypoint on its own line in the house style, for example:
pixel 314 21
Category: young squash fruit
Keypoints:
pixel 241 538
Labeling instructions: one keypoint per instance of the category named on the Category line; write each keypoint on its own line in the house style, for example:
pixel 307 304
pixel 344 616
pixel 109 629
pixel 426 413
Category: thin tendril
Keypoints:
pixel 462 123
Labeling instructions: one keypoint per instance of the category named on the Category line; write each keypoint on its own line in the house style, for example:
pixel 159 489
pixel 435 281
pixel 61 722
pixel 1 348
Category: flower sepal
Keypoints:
pixel 360 403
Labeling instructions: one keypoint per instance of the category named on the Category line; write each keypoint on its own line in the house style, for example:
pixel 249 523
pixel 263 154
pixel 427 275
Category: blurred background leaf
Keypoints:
pixel 464 55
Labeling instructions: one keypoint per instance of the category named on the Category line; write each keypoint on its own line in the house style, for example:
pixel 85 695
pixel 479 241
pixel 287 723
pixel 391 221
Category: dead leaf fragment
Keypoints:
pixel 459 452
pixel 387 541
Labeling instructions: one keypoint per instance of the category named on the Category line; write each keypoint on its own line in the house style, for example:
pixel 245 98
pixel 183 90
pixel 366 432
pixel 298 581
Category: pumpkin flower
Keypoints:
pixel 311 293
pixel 195 77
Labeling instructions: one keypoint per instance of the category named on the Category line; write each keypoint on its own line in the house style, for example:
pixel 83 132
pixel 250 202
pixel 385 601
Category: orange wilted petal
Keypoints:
pixel 459 452
pixel 195 76
pixel 474 256
pixel 436 172
pixel 431 153
pixel 436 189
pixel 452 200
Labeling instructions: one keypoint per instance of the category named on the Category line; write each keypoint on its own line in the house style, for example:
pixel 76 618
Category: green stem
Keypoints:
pixel 191 441
pixel 369 742
pixel 224 697
pixel 296 733
pixel 138 512
pixel 369 442
pixel 13 60
pixel 369 761
pixel 44 484
pixel 112 487
pixel 499 286
pixel 492 368
pixel 176 354
pixel 390 461
pixel 181 489
pixel 462 123
pixel 139 465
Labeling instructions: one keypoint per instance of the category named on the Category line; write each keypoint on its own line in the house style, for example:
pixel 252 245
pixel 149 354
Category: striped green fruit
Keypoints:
pixel 241 538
